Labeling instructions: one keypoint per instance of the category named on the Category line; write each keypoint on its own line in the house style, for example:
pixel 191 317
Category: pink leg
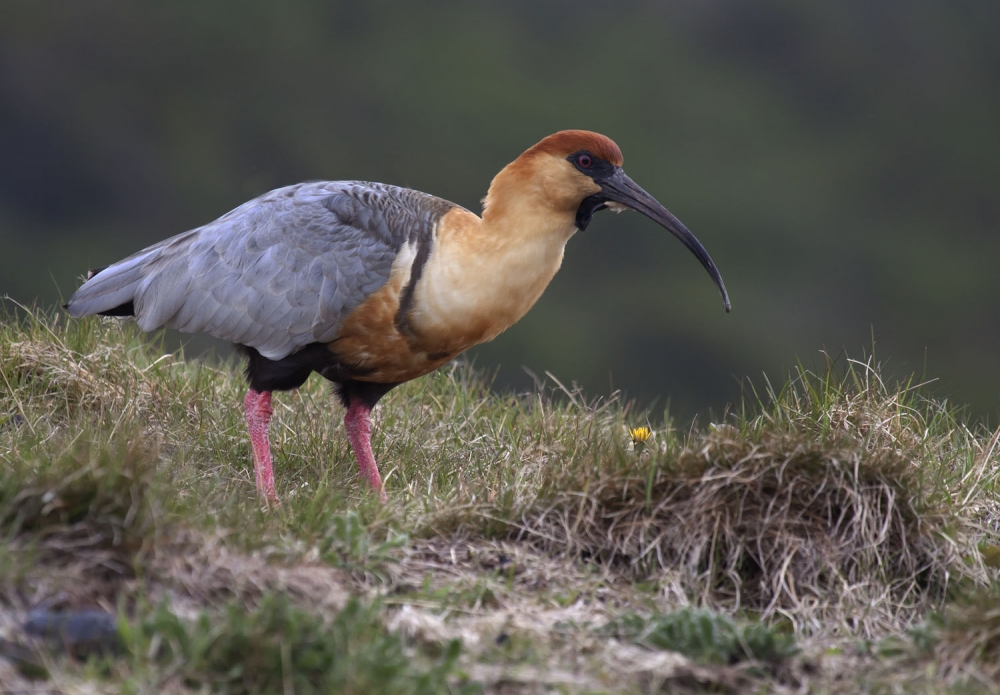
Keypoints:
pixel 358 424
pixel 258 411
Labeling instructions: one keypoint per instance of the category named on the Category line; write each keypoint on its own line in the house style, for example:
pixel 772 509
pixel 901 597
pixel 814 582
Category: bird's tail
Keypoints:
pixel 111 291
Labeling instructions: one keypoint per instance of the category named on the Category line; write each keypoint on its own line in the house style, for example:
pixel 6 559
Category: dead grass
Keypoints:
pixel 839 510
pixel 85 520
pixel 962 641
pixel 823 535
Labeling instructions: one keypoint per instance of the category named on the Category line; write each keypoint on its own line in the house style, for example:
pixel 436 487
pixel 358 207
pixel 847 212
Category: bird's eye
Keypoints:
pixel 585 161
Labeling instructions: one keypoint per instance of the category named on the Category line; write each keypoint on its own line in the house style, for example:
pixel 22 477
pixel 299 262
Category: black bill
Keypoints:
pixel 618 187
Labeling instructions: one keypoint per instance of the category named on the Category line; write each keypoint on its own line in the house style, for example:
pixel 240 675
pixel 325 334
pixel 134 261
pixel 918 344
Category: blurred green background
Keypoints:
pixel 840 161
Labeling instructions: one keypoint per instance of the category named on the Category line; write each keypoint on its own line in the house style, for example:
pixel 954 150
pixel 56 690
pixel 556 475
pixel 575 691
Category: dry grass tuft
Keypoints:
pixel 69 380
pixel 88 529
pixel 848 526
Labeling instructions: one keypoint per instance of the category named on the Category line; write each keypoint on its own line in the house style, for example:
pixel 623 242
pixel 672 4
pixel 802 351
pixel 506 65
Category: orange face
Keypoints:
pixel 544 178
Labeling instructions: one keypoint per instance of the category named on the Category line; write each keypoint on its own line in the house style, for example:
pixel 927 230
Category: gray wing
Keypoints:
pixel 277 273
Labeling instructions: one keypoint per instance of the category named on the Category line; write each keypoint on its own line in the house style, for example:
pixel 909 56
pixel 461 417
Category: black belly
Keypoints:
pixel 291 372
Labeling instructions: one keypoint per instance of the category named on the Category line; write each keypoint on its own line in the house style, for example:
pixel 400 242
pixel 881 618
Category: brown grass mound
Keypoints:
pixel 80 523
pixel 848 524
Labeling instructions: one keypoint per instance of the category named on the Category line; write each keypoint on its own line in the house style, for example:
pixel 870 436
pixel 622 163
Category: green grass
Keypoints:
pixel 834 534
pixel 706 637
pixel 277 647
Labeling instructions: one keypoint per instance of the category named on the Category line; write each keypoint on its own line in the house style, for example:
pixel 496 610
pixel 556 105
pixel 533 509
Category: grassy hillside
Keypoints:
pixel 839 534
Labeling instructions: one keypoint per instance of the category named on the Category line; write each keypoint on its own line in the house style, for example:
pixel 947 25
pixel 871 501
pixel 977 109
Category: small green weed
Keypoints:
pixel 347 544
pixel 706 637
pixel 276 647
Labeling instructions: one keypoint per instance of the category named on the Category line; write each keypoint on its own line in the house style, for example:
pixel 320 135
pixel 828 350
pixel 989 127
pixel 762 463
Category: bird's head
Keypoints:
pixel 581 173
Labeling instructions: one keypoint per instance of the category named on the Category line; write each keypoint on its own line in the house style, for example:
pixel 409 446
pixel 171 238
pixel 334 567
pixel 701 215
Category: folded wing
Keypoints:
pixel 277 273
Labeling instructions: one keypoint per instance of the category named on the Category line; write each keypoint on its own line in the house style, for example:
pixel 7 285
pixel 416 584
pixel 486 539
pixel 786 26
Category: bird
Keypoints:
pixel 368 284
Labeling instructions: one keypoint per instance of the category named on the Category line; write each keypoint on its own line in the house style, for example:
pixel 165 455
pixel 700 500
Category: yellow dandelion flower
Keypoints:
pixel 640 435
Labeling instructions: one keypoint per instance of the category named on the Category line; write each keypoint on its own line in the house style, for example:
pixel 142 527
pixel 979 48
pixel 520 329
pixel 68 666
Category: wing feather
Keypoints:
pixel 277 273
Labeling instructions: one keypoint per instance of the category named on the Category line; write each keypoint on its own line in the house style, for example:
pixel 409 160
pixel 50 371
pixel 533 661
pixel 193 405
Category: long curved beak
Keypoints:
pixel 621 189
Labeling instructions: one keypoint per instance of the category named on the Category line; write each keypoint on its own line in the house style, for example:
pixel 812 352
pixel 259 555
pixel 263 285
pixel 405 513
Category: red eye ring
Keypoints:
pixel 585 160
